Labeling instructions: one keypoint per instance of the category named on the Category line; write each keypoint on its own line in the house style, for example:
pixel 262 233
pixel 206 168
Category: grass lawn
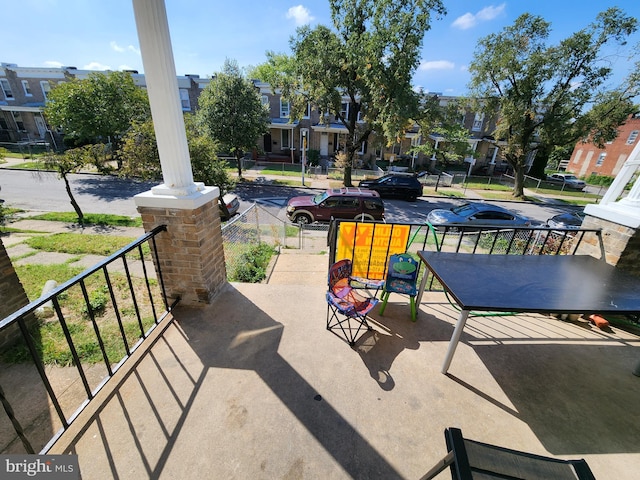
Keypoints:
pixel 83 244
pixel 48 335
pixel 91 219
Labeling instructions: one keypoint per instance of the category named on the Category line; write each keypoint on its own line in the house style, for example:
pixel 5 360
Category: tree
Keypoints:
pixel 543 92
pixel 98 109
pixel 231 112
pixel 72 161
pixel 140 157
pixel 444 121
pixel 367 61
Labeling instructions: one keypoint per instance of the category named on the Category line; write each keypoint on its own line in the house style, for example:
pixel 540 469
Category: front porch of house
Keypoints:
pixel 253 386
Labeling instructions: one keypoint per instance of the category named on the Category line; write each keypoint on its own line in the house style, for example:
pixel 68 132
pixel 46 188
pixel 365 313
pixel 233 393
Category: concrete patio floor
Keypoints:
pixel 254 386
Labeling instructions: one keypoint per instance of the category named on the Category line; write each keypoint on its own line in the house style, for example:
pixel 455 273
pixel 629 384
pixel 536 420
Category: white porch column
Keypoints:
pixel 162 86
pixel 190 253
pixel 627 210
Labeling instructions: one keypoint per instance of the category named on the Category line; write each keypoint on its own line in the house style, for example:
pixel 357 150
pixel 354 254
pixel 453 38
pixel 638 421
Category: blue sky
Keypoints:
pixel 101 34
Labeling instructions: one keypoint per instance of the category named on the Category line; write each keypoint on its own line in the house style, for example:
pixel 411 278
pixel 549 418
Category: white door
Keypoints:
pixel 42 128
pixel 324 144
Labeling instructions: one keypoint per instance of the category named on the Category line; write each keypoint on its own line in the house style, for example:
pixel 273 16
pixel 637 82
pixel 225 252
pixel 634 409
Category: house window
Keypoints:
pixel 600 160
pixel 344 110
pixel 285 140
pixel 26 88
pixel 285 108
pixel 46 88
pixel 265 100
pixel 6 88
pixel 307 112
pixel 632 137
pixel 17 117
pixel 184 100
pixel 477 122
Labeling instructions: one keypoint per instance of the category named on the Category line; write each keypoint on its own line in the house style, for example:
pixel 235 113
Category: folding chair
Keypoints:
pixel 346 309
pixel 469 459
pixel 402 277
pixel 367 283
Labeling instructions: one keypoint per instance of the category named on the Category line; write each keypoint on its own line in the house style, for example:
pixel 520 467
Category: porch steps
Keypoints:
pixel 299 267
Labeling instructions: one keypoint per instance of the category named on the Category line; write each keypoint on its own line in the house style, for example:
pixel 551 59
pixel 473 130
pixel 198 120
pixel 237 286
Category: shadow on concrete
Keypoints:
pixel 186 411
pixel 571 383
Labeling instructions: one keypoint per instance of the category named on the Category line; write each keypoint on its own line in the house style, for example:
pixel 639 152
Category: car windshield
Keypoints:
pixel 319 198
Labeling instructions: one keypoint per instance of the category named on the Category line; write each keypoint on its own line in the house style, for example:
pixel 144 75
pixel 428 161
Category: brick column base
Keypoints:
pixel 190 252
pixel 621 244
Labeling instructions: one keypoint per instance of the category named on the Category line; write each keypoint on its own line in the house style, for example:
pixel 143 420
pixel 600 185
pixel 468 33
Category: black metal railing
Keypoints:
pixel 115 308
pixel 459 238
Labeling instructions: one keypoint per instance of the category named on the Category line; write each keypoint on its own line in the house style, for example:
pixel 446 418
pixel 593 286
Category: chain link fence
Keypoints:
pixel 256 226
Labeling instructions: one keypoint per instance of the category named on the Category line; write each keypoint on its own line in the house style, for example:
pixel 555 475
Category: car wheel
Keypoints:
pixel 363 217
pixel 302 219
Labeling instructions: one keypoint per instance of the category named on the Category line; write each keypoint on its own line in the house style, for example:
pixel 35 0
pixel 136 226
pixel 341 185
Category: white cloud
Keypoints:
pixel 128 48
pixel 300 15
pixel 469 20
pixel 96 66
pixel 53 64
pixel 436 65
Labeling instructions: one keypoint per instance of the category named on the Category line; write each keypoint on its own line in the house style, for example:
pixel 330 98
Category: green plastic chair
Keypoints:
pixel 402 276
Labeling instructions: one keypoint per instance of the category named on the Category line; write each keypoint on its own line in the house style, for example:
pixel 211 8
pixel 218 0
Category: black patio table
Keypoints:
pixel 529 283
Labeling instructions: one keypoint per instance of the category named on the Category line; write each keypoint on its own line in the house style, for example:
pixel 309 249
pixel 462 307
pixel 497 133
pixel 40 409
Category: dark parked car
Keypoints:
pixel 477 213
pixel 566 220
pixel 405 186
pixel 342 203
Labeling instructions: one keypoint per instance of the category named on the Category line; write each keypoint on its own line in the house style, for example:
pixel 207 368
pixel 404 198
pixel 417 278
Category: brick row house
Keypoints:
pixel 588 159
pixel 24 94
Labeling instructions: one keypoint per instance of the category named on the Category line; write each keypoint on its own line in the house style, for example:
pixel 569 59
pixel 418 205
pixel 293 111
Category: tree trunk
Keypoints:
pixel 74 204
pixel 238 158
pixel 349 167
pixel 518 186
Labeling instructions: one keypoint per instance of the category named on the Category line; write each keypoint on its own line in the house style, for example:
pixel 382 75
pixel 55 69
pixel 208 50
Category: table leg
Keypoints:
pixel 455 338
pixel 423 285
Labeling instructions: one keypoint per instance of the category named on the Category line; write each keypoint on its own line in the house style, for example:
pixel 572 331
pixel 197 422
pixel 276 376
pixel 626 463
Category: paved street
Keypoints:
pixel 45 192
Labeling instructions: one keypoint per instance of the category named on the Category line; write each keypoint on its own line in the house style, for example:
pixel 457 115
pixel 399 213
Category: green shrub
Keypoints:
pixel 602 180
pixel 251 266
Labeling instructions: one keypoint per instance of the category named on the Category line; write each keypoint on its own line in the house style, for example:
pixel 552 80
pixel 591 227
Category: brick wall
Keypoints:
pixel 190 251
pixel 621 244
pixel 12 297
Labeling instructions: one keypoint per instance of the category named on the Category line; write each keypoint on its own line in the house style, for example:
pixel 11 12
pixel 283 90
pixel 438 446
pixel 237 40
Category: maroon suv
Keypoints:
pixel 341 203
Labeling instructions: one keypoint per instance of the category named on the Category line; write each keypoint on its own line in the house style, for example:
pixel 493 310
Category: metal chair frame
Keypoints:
pixel 344 300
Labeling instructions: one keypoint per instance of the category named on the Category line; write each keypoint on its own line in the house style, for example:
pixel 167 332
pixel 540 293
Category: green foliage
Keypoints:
pixel 543 91
pixel 252 264
pixel 602 180
pixel 203 151
pixel 98 109
pixel 369 58
pixel 445 122
pixel 313 157
pixel 140 157
pixel 138 152
pixel 90 219
pixel 231 112
pixel 98 300
pixel 76 243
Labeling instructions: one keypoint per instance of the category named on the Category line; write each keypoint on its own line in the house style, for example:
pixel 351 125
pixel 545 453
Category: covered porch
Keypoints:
pixel 253 386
